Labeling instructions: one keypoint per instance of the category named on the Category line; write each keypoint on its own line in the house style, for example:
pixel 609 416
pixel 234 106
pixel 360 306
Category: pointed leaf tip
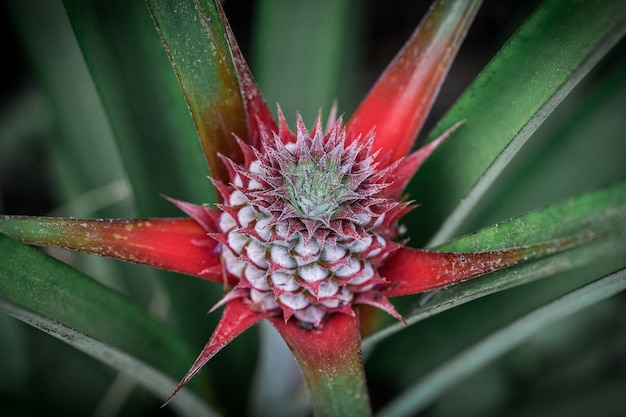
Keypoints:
pixel 237 318
pixel 179 245
pixel 400 101
pixel 408 166
pixel 416 270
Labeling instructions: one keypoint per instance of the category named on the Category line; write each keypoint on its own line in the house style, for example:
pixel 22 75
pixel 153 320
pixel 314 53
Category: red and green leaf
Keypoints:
pixel 400 101
pixel 236 319
pixel 512 96
pixel 414 270
pixel 218 86
pixel 179 245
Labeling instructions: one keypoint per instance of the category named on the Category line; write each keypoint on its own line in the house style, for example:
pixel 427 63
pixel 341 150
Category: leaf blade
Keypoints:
pixel 470 360
pixel 220 92
pixel 142 98
pixel 63 302
pixel 601 213
pixel 400 101
pixel 500 115
pixel 179 245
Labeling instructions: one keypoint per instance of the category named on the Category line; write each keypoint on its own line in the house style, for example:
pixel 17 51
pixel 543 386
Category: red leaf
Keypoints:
pixel 411 271
pixel 414 270
pixel 237 318
pixel 399 102
pixel 179 245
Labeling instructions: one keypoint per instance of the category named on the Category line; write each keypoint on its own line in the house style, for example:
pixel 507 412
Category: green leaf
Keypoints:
pixel 579 148
pixel 147 113
pixel 76 129
pixel 80 128
pixel 154 133
pixel 473 358
pixel 61 301
pixel 601 214
pixel 512 96
pixel 194 37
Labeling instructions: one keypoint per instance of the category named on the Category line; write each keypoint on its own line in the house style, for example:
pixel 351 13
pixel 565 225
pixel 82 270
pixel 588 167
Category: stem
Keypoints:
pixel 331 363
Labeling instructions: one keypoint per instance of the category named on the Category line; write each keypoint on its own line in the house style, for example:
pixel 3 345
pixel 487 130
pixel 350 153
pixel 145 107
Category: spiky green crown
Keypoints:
pixel 305 223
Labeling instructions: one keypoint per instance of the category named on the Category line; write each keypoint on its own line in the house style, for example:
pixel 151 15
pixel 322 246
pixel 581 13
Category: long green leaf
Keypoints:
pixel 80 125
pixel 61 301
pixel 579 148
pixel 157 141
pixel 602 214
pixel 153 130
pixel 85 186
pixel 512 96
pixel 194 37
pixel 77 129
pixel 464 364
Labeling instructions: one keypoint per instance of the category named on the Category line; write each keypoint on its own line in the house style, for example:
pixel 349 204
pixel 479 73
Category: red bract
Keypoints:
pixel 308 224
